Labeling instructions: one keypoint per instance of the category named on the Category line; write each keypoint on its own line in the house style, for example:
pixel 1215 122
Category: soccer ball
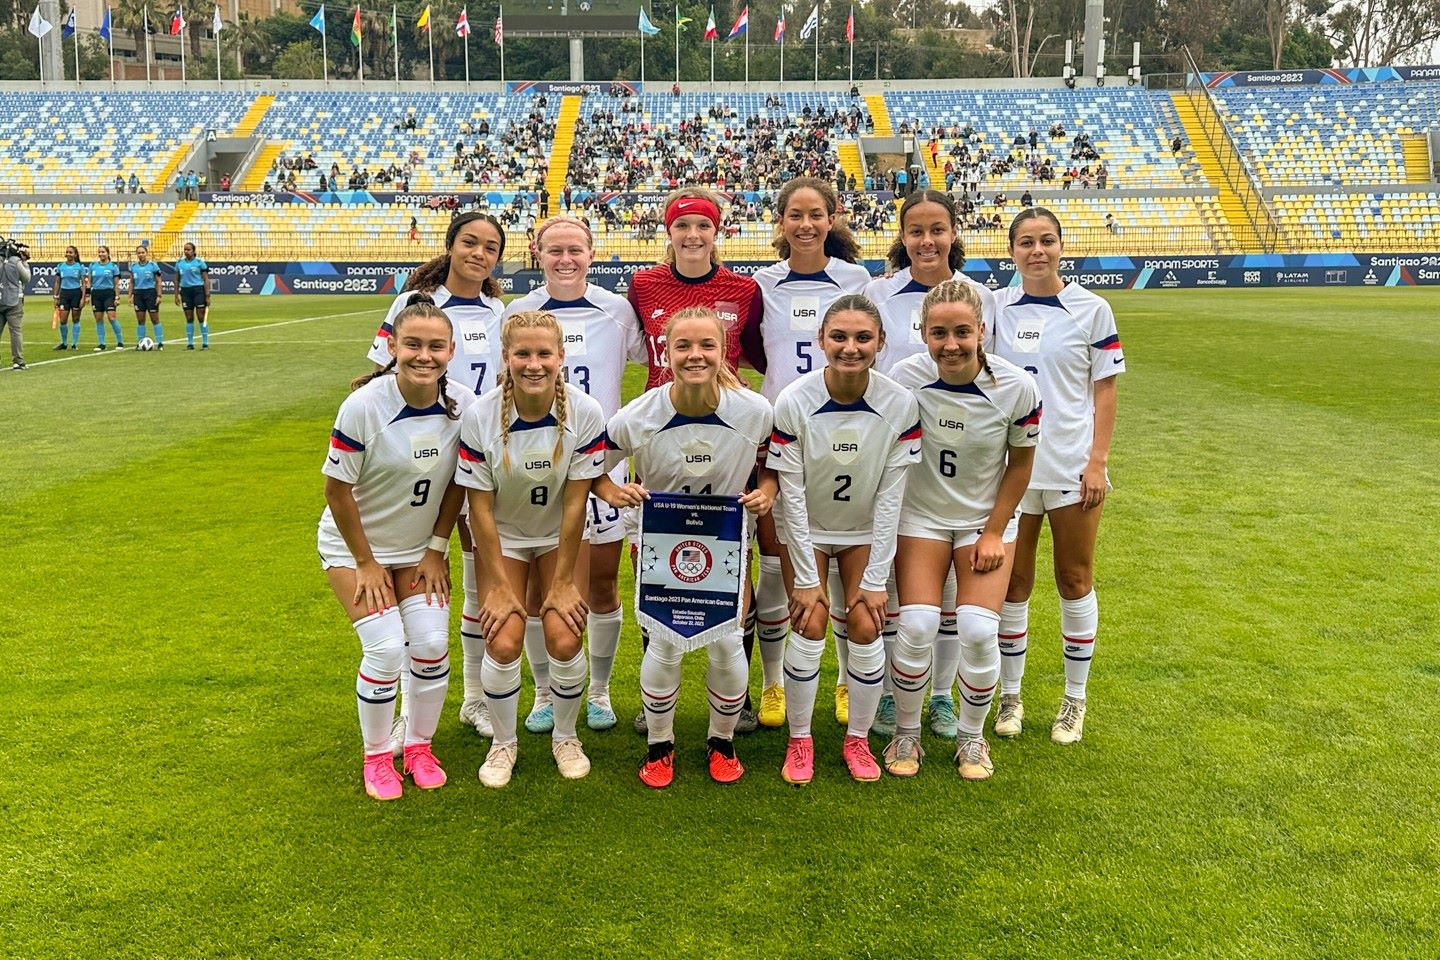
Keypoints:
pixel 145 344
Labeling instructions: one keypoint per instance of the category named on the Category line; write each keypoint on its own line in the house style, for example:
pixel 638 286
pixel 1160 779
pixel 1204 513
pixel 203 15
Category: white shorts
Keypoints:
pixel 332 557
pixel 1037 501
pixel 527 553
pixel 604 523
pixel 956 537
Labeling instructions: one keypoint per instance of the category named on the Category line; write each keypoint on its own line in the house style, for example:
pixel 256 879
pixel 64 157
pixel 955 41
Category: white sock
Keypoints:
pixel 567 683
pixel 839 627
pixel 1079 621
pixel 502 696
pixel 773 611
pixel 979 666
pixel 604 630
pixel 947 644
pixel 802 678
pixel 1014 638
pixel 472 643
pixel 659 687
pixel 864 673
pixel 725 680
pixel 910 662
pixel 538 657
pixel 382 656
pixel 427 633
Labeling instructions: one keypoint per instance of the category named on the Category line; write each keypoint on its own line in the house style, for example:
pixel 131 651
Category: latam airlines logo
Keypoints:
pixel 690 561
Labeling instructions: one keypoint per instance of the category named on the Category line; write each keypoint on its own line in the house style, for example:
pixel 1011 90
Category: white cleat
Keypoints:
pixel 499 764
pixel 1009 717
pixel 570 758
pixel 475 713
pixel 1070 722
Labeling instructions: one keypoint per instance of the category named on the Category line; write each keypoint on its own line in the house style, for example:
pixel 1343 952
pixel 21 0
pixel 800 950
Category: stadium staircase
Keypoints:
pixel 166 244
pixel 1238 213
pixel 1417 159
pixel 255 177
pixel 172 166
pixel 933 169
pixel 251 121
pixel 560 150
pixel 880 113
pixel 851 161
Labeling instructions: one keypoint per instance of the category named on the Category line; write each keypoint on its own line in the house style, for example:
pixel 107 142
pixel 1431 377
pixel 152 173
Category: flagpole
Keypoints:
pixel 183 25
pixel 850 29
pixel 111 39
pixel 747 49
pixel 360 47
pixel 782 51
pixel 40 49
pixel 500 17
pixel 145 16
pixel 218 82
pixel 642 57
pixel 395 41
pixel 430 39
pixel 76 38
pixel 467 51
pixel 325 57
pixel 677 44
pixel 817 45
pixel 712 61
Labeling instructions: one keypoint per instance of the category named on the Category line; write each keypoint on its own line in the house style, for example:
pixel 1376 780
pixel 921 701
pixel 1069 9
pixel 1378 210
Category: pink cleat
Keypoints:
pixel 422 767
pixel 799 767
pixel 381 780
pixel 859 760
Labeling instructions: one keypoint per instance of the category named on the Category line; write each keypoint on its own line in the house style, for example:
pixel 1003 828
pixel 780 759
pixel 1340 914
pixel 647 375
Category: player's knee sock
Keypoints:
pixel 892 626
pixel 979 665
pixel 115 329
pixel 802 677
pixel 567 684
pixel 910 661
pixel 140 331
pixel 659 687
pixel 1014 636
pixel 382 654
pixel 947 644
pixel 863 675
pixel 427 635
pixel 725 682
pixel 502 695
pixel 204 333
pixel 75 334
pixel 472 642
pixel 64 331
pixel 1079 621
pixel 773 612
pixel 190 332
pixel 604 630
pixel 838 625
pixel 159 332
pixel 538 657
pixel 100 332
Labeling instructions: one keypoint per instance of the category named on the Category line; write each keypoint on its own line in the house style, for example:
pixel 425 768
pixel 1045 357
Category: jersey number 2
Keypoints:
pixel 843 484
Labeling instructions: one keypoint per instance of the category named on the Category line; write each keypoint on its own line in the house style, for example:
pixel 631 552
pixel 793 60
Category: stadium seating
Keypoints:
pixel 78 143
pixel 1360 221
pixel 1328 134
pixel 50 227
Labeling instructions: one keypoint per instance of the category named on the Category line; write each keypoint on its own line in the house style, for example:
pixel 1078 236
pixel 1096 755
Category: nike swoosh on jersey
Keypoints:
pixel 466 469
pixel 659 311
pixel 334 459
pixel 914 451
pixel 1118 360
pixel 1032 435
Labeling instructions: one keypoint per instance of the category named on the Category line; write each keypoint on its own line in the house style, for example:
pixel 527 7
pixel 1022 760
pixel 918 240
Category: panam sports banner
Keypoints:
pixel 690 573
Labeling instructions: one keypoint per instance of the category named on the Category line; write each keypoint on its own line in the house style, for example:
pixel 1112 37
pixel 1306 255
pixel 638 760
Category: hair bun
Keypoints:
pixel 420 299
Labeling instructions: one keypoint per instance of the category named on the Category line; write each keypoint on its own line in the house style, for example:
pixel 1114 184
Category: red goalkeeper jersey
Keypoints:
pixel 658 292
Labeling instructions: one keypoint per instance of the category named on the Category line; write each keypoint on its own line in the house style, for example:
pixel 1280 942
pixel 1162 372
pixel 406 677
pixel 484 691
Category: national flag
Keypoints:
pixel 424 22
pixel 216 25
pixel 742 23
pixel 780 26
pixel 812 23
pixel 462 25
pixel 105 25
pixel 500 29
pixel 679 20
pixel 355 28
pixel 850 26
pixel 318 21
pixel 711 32
pixel 39 26
pixel 177 22
pixel 67 29
pixel 645 26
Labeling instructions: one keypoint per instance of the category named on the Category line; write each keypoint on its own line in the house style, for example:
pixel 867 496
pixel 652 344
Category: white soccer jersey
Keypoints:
pixel 1066 342
pixel 794 306
pixel 399 460
pixel 842 450
pixel 899 298
pixel 678 454
pixel 476 320
pixel 601 334
pixel 966 430
pixel 529 491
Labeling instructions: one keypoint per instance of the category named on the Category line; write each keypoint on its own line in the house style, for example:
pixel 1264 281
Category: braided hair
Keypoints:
pixel 957 291
pixel 418 305
pixel 840 243
pixel 433 273
pixel 530 320
pixel 899 258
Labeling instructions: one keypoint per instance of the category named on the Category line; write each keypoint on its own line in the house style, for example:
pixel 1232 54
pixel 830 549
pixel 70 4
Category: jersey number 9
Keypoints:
pixel 422 493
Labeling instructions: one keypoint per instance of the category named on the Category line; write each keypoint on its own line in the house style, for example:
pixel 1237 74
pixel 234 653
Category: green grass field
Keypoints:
pixel 1258 776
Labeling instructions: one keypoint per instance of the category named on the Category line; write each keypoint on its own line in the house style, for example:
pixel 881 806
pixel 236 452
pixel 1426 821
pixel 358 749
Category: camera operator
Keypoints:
pixel 14 274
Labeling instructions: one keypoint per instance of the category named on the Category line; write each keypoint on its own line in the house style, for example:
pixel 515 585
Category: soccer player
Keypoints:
pixel 529 451
pixel 981 422
pixel 693 275
pixel 145 295
pixel 1066 336
pixel 818 264
pixel 705 408
pixel 461 283
pixel 391 505
pixel 601 333
pixel 70 297
pixel 192 293
pixel 100 279
pixel 843 440
pixel 926 252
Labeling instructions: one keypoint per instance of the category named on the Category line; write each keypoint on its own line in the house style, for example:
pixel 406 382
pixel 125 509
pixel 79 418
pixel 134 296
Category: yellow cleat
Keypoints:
pixel 842 705
pixel 772 706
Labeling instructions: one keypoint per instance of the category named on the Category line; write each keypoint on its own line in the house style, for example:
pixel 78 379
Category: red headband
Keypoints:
pixel 687 205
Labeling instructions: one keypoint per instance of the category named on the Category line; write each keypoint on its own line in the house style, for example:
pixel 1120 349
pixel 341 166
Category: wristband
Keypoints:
pixel 439 544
